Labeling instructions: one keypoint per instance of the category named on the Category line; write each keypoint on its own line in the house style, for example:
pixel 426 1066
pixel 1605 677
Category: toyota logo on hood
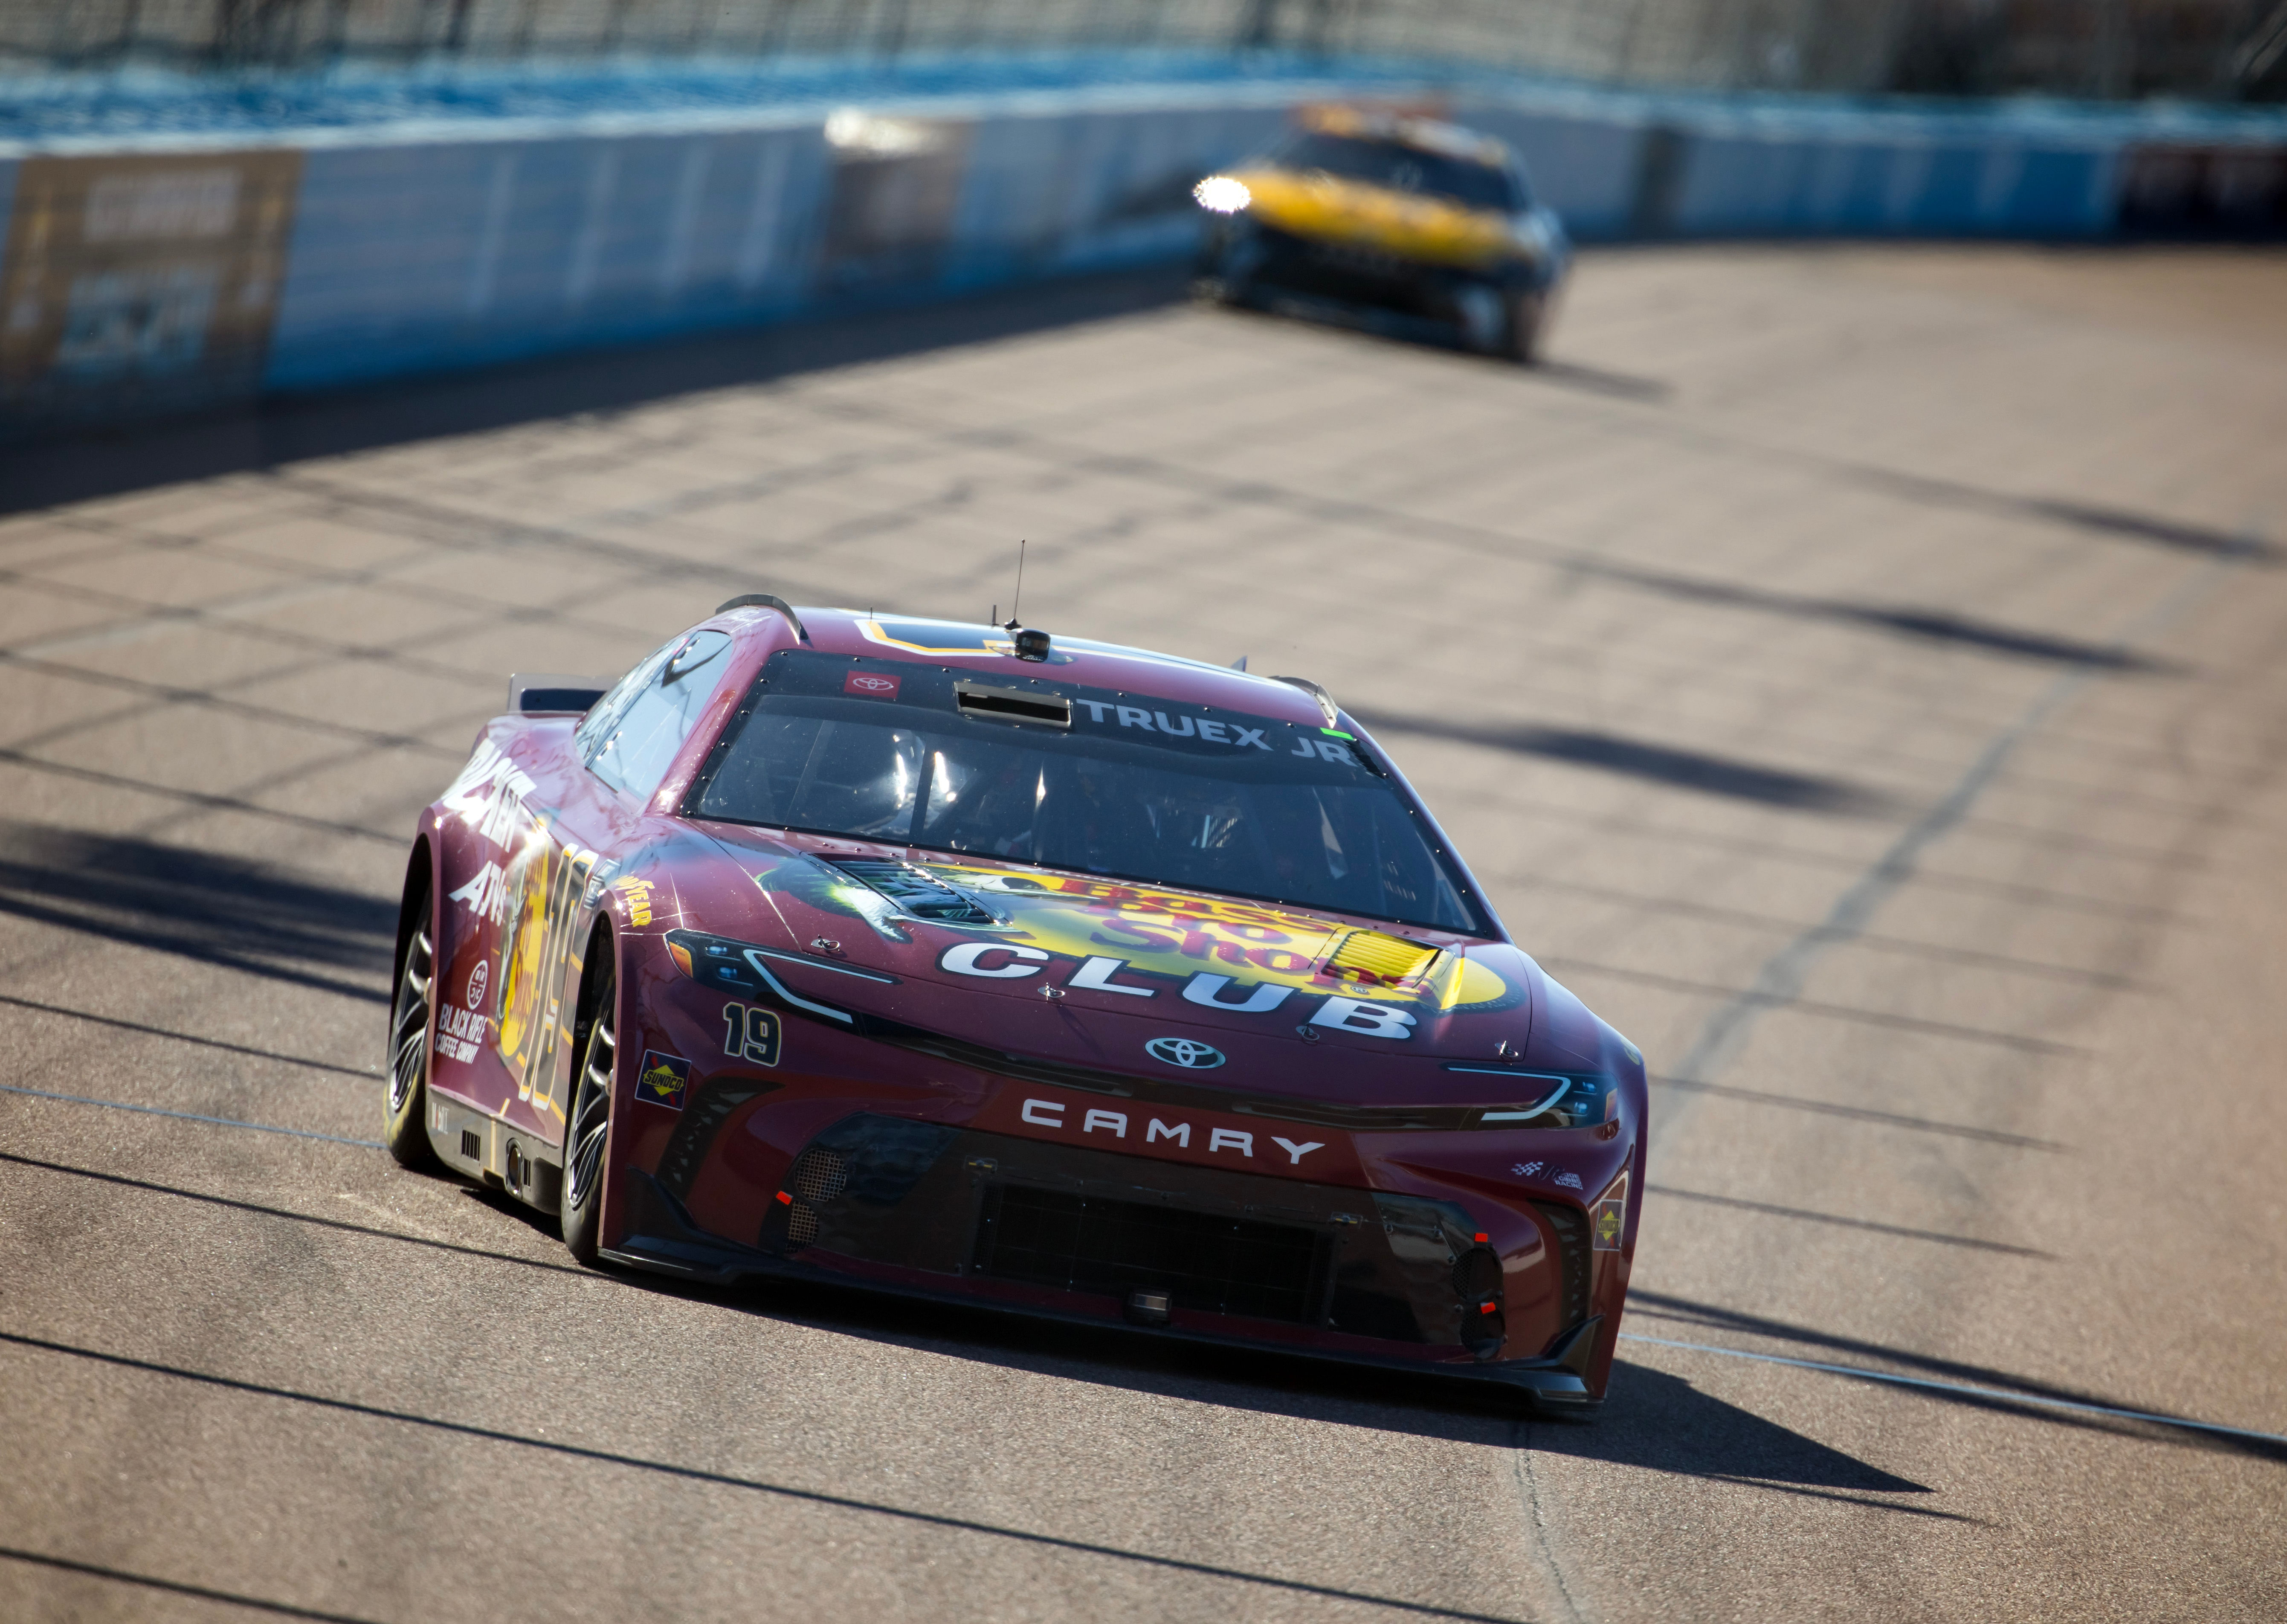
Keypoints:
pixel 1183 1051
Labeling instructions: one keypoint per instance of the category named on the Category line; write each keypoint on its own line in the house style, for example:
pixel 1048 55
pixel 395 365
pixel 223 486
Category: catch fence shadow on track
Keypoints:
pixel 1979 1387
pixel 199 906
pixel 283 429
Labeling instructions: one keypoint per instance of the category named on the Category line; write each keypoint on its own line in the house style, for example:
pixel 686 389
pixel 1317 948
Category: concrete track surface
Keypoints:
pixel 1862 674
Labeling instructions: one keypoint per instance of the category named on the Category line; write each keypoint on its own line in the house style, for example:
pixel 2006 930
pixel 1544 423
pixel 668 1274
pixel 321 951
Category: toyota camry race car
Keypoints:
pixel 1040 974
pixel 1412 220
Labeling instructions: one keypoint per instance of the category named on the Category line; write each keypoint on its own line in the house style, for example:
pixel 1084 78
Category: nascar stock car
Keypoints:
pixel 1039 974
pixel 1412 219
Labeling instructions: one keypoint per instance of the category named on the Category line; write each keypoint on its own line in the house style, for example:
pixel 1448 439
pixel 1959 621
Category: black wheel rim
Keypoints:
pixel 591 1108
pixel 409 1035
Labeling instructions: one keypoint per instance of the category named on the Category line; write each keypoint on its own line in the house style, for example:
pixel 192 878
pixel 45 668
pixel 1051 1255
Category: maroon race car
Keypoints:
pixel 1043 975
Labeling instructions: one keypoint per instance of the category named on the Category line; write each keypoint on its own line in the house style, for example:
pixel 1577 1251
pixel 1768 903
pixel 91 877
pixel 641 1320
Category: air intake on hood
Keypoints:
pixel 1369 955
pixel 917 892
pixel 1012 705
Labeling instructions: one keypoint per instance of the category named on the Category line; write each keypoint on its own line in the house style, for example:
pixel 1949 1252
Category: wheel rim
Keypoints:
pixel 410 1037
pixel 591 1109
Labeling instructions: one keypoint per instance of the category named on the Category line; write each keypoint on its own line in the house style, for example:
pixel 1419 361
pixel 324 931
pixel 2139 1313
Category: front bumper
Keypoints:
pixel 1264 259
pixel 948 1213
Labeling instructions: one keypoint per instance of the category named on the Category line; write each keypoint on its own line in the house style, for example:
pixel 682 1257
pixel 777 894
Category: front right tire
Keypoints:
pixel 1527 314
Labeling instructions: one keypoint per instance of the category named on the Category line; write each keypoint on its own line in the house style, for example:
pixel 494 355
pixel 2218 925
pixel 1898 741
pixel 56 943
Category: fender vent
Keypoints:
pixel 818 1177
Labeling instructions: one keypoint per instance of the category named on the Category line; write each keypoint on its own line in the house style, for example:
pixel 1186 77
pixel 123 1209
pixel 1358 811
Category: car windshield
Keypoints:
pixel 1128 788
pixel 1399 167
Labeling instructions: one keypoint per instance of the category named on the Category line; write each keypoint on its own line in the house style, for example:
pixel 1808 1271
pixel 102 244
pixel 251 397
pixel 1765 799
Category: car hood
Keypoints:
pixel 911 920
pixel 1333 210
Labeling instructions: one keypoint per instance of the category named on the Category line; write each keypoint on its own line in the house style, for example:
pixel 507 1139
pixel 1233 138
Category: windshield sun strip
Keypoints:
pixel 1480 917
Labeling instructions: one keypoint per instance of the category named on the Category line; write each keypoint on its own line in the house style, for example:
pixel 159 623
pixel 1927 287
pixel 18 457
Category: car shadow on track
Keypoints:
pixel 1654 1421
pixel 1660 1422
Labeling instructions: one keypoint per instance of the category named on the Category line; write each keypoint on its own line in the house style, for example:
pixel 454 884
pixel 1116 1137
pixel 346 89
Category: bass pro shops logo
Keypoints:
pixel 1193 1056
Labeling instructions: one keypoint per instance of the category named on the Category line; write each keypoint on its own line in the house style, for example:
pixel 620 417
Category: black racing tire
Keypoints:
pixel 1527 314
pixel 412 1017
pixel 587 1132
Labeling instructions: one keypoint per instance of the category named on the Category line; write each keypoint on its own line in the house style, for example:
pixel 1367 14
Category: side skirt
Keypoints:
pixel 496 1154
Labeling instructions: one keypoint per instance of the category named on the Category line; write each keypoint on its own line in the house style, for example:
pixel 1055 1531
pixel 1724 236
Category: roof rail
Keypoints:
pixel 1325 700
pixel 764 600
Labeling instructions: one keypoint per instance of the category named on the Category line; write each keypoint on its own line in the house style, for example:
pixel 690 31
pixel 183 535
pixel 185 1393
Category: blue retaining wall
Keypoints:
pixel 423 255
pixel 458 237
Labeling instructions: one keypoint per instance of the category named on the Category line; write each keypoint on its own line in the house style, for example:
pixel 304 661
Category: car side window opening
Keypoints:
pixel 1317 829
pixel 630 739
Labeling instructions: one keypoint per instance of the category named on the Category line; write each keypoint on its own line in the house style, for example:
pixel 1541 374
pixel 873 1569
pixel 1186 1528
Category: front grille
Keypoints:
pixel 818 1177
pixel 1220 1266
pixel 1362 261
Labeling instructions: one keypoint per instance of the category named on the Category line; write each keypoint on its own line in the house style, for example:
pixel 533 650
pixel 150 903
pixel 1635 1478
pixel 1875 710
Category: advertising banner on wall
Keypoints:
pixel 136 283
pixel 897 187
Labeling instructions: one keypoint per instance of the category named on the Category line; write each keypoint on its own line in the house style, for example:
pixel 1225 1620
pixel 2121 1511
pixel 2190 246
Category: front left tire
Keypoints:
pixel 587 1134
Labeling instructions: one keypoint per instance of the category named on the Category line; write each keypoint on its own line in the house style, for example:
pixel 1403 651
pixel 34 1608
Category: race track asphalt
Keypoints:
pixel 1861 674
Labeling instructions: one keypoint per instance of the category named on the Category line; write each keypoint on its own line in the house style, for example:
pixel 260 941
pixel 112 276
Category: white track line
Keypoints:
pixel 2002 1394
pixel 185 1116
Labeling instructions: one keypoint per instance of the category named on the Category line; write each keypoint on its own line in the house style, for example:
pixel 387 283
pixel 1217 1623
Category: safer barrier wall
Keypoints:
pixel 152 276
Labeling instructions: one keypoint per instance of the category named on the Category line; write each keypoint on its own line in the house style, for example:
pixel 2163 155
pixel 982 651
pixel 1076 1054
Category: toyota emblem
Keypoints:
pixel 1193 1056
pixel 873 685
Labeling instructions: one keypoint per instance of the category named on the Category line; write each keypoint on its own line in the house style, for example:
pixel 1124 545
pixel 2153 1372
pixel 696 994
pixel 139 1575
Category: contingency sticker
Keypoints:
pixel 663 1078
pixel 460 1026
pixel 1611 1216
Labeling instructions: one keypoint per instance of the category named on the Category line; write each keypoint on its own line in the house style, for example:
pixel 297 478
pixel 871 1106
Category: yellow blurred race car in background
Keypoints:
pixel 1409 221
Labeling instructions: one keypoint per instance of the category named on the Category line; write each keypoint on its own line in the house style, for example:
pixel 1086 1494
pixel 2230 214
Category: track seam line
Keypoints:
pixel 1780 981
pixel 816 1497
pixel 189 1116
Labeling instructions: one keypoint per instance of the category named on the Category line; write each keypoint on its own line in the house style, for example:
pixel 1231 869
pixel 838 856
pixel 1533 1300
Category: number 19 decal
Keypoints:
pixel 750 1033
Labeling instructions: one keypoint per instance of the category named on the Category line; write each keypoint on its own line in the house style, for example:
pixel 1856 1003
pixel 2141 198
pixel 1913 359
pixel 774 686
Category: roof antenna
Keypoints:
pixel 1019 599
pixel 1029 645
